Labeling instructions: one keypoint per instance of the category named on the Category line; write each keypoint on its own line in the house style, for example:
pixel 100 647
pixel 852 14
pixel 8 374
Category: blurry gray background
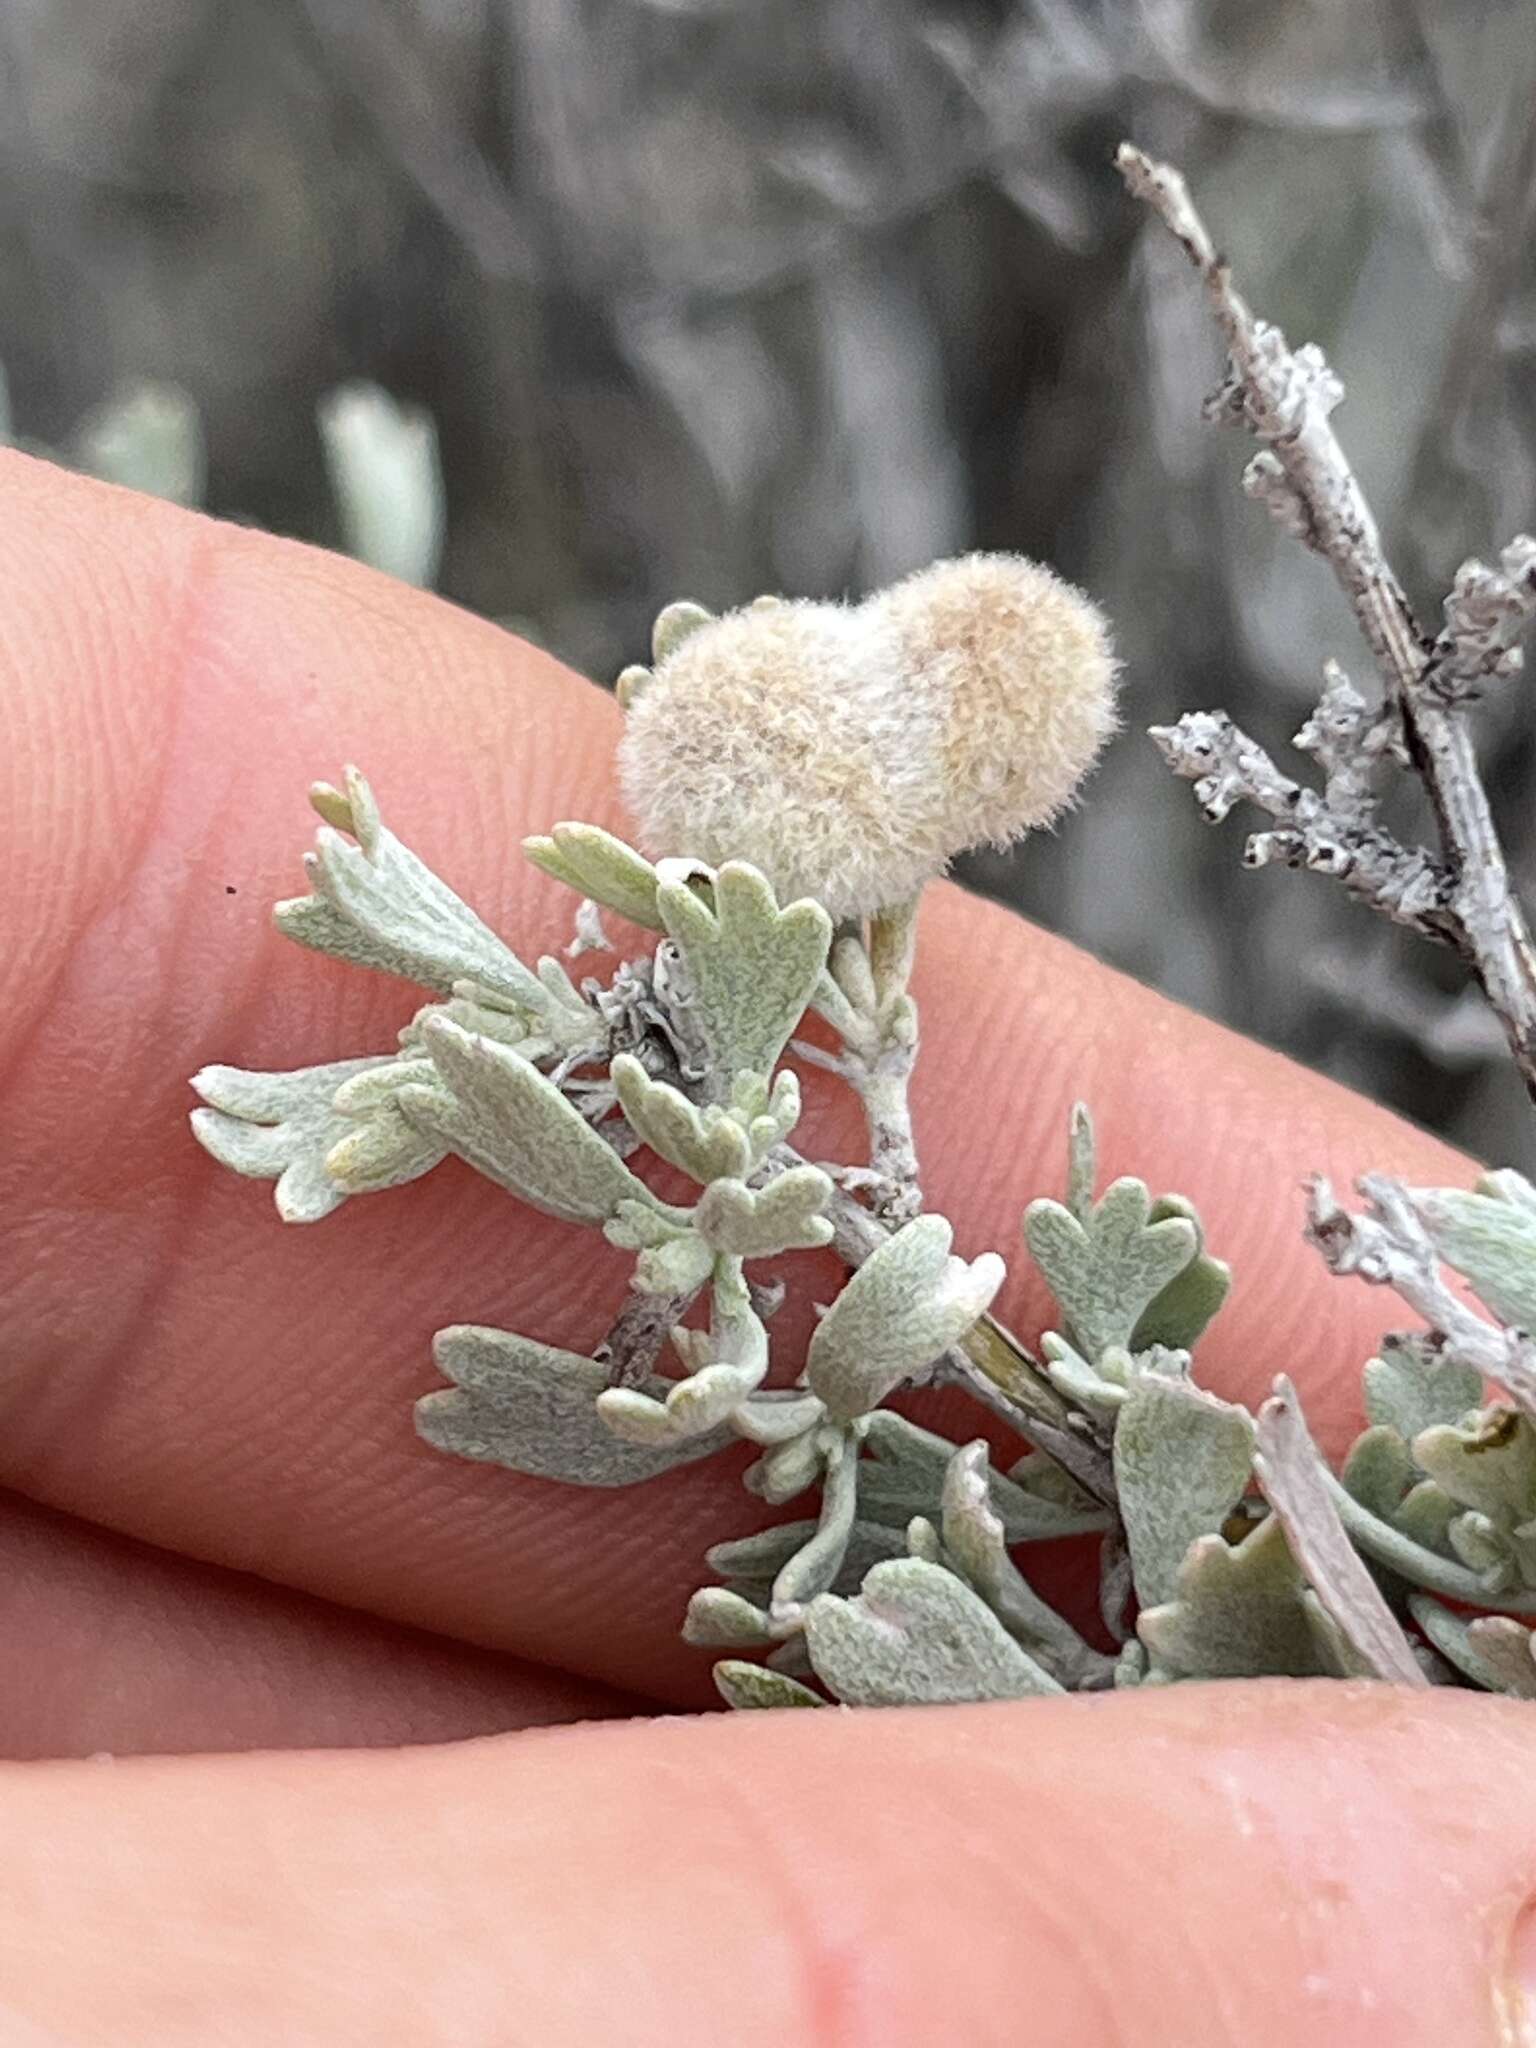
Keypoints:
pixel 707 297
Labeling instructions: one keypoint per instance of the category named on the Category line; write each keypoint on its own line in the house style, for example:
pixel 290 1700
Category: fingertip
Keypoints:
pixel 1279 1862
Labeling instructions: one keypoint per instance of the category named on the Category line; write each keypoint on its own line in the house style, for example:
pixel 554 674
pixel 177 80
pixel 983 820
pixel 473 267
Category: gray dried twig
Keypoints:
pixel 1285 397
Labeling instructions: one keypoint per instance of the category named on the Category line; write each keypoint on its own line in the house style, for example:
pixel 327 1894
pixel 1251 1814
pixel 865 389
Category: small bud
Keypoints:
pixel 850 752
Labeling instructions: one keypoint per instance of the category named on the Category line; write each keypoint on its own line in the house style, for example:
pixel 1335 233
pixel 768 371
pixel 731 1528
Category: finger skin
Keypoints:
pixel 181 1367
pixel 1277 1863
pixel 114 1646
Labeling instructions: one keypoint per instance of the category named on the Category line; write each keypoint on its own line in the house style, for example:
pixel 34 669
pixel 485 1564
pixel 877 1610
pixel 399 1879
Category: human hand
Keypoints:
pixel 1272 1863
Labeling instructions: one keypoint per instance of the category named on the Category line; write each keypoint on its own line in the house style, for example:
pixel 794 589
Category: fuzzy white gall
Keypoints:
pixel 850 752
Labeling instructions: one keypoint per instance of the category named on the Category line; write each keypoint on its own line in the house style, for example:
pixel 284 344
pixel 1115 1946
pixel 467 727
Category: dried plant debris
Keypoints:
pixel 800 772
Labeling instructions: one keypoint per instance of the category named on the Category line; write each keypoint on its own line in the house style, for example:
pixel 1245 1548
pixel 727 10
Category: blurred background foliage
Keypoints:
pixel 575 307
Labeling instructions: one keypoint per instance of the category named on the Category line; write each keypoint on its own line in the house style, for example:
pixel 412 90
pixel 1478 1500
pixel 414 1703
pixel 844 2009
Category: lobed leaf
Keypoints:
pixel 1106 1271
pixel 904 1471
pixel 283 1127
pixel 512 1124
pixel 1238 1612
pixel 902 1309
pixel 600 867
pixel 1182 1461
pixel 757 1223
pixel 752 967
pixel 707 1144
pixel 377 905
pixel 1493 1651
pixel 917 1635
pixel 1413 1386
pixel 975 1545
pixel 532 1408
pixel 1178 1316
pixel 1491 1241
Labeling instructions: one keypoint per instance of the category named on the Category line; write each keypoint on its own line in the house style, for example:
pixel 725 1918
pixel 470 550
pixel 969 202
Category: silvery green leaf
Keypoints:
pixel 706 1144
pixel 1131 1665
pixel 1178 1316
pixel 1379 1471
pixel 382 1148
pixel 677 1265
pixel 532 1408
pixel 775 1418
pixel 786 1469
pixel 756 1223
pixel 1398 1545
pixel 280 1127
pixel 675 623
pixel 486 1015
pixel 1482 1547
pixel 814 1568
pixel 975 1545
pixel 752 967
pixel 902 1309
pixel 719 1619
pixel 1238 1613
pixel 1106 1272
pixel 1506 1649
pixel 1493 1651
pixel 749 1686
pixel 706 1399
pixel 630 682
pixel 1491 1240
pixel 903 1475
pixel 1411 1387
pixel 769 1113
pixel 1071 1374
pixel 1424 1516
pixel 917 1635
pixel 924 1541
pixel 1182 1462
pixel 1505 1185
pixel 752 1563
pixel 600 867
pixel 146 434
pixel 379 906
pixel 641 1227
pixel 1490 1466
pixel 513 1124
pixel 1295 1483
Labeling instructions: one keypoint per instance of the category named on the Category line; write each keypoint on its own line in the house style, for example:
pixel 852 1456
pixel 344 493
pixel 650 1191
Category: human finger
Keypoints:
pixel 1274 1862
pixel 182 1368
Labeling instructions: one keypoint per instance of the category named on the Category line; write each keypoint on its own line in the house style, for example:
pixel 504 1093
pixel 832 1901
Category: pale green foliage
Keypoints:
pixel 917 1636
pixel 1109 1267
pixel 1238 1612
pixel 533 1408
pixel 1491 1238
pixel 752 968
pixel 284 1127
pixel 1182 1464
pixel 899 1580
pixel 513 1124
pixel 903 1308
pixel 602 868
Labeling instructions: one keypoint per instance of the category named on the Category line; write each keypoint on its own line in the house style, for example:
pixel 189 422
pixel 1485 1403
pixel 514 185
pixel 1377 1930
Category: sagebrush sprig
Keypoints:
pixel 801 771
